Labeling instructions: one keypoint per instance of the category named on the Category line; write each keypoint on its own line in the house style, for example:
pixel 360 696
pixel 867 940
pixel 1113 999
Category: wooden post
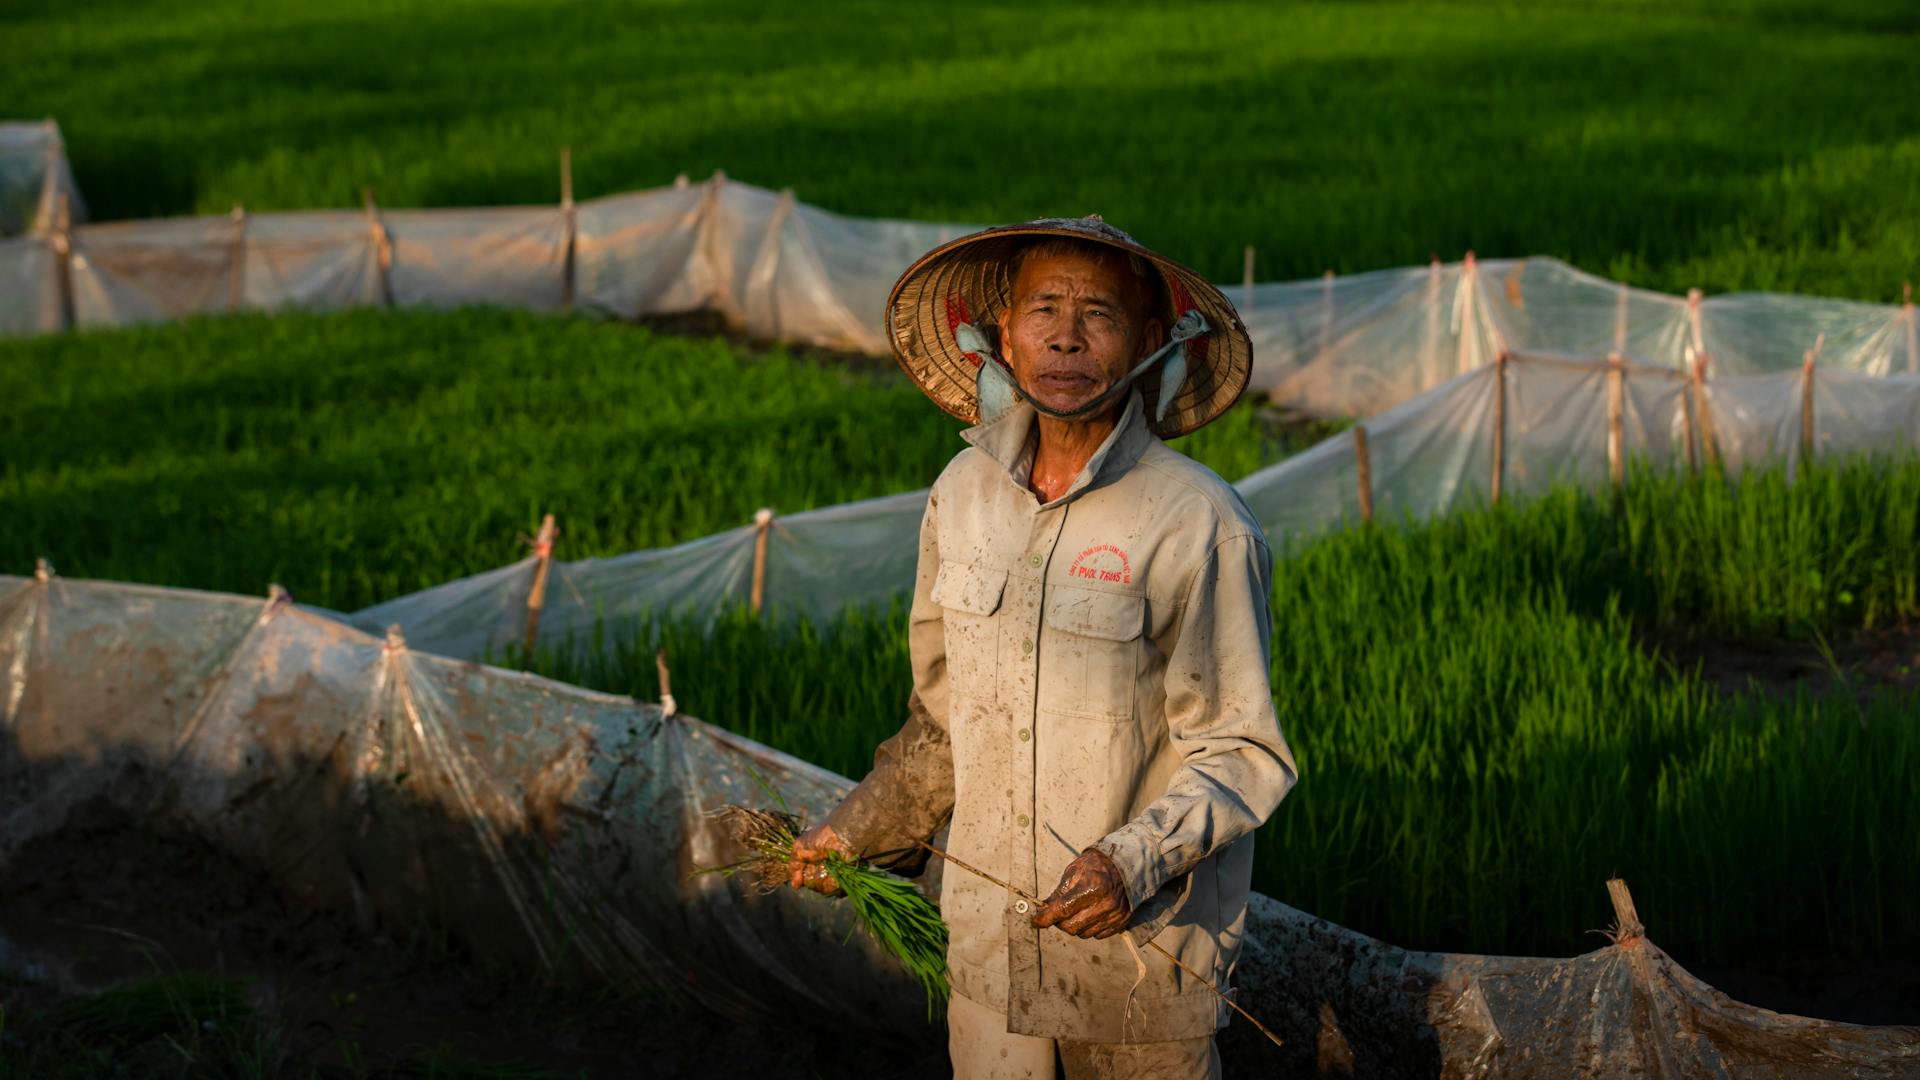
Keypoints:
pixel 382 245
pixel 566 211
pixel 762 525
pixel 63 249
pixel 237 259
pixel 537 596
pixel 42 571
pixel 1499 424
pixel 668 706
pixel 1365 467
pixel 1626 921
pixel 1616 433
pixel 1246 282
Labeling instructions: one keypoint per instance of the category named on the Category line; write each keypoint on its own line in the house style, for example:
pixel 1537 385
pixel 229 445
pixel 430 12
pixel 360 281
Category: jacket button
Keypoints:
pixel 1033 560
pixel 1027 645
pixel 1022 819
pixel 1020 906
pixel 1024 736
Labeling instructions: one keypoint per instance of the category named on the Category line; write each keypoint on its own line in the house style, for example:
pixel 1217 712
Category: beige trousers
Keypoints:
pixel 983 1049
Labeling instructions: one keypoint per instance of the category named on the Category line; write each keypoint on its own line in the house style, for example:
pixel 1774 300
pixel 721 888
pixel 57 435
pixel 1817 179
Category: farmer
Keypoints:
pixel 1089 635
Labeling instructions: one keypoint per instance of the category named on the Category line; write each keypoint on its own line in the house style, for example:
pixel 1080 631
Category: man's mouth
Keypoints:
pixel 1063 381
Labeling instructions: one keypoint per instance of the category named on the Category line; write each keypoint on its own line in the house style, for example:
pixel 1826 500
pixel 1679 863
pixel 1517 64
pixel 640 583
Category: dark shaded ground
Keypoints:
pixel 1864 661
pixel 106 901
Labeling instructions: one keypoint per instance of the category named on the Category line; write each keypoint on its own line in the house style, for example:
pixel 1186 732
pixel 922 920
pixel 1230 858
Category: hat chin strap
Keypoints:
pixel 996 389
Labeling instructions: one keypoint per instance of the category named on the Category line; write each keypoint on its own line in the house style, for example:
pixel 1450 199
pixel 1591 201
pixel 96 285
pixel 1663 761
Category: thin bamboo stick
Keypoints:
pixel 1689 388
pixel 1365 466
pixel 542 561
pixel 1704 402
pixel 1913 336
pixel 1326 312
pixel 1154 945
pixel 1246 281
pixel 567 212
pixel 1620 321
pixel 762 525
pixel 237 259
pixel 63 248
pixel 1616 433
pixel 1806 402
pixel 382 245
pixel 1499 424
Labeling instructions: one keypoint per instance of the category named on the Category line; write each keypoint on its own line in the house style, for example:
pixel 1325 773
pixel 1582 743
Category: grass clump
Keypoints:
pixel 890 909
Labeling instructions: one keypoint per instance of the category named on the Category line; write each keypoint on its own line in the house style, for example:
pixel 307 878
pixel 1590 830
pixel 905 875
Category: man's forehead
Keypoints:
pixel 1057 272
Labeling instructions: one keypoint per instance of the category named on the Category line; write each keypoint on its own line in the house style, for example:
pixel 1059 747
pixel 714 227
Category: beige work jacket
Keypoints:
pixel 1091 672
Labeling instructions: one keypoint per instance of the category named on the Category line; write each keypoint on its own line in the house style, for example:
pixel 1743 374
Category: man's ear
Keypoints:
pixel 1153 335
pixel 1003 345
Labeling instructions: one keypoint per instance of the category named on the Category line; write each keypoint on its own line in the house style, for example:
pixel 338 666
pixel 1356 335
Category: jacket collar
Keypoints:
pixel 1013 437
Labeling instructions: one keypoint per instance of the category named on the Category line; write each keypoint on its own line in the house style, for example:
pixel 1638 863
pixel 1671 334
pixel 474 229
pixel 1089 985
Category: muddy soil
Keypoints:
pixel 106 901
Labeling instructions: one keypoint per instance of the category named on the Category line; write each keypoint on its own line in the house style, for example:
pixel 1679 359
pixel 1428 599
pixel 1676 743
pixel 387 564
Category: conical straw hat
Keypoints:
pixel 969 281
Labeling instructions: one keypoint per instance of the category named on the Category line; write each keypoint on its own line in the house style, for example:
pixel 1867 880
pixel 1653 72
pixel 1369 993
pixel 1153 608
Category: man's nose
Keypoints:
pixel 1068 340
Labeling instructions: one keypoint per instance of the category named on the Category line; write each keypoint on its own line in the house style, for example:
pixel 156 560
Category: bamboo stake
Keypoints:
pixel 1627 925
pixel 1806 401
pixel 762 525
pixel 668 706
pixel 382 245
pixel 1365 466
pixel 63 248
pixel 567 212
pixel 1616 434
pixel 1246 281
pixel 237 259
pixel 1620 321
pixel 1704 402
pixel 1154 945
pixel 1326 312
pixel 42 571
pixel 1913 337
pixel 1688 389
pixel 542 561
pixel 1469 291
pixel 1499 424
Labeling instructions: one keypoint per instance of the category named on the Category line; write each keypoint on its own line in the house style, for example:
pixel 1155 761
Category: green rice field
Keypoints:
pixel 1748 144
pixel 1494 712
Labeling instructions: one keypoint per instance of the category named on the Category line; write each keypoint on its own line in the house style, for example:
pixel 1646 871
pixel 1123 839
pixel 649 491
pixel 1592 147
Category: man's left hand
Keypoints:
pixel 1090 901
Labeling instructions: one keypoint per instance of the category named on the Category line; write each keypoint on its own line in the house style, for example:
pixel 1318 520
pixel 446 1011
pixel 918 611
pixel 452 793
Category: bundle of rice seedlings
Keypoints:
pixel 890 909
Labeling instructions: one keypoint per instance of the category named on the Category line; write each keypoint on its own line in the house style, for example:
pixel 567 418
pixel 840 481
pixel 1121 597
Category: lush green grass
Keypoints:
pixel 1759 143
pixel 356 457
pixel 1484 741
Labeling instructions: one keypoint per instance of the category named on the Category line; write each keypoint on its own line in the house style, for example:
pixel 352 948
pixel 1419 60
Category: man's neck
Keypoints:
pixel 1065 448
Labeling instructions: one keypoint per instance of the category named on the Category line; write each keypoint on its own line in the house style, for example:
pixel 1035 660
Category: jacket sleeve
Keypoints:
pixel 1235 765
pixel 908 795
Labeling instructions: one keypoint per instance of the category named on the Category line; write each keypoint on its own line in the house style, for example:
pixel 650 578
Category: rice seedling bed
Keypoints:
pixel 1483 737
pixel 1719 145
pixel 355 457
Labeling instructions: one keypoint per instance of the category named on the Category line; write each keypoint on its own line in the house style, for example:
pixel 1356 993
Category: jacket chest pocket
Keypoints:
pixel 1091 658
pixel 969 596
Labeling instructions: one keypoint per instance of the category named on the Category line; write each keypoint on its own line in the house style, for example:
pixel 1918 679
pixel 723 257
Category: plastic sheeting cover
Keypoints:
pixel 559 829
pixel 33 175
pixel 1429 455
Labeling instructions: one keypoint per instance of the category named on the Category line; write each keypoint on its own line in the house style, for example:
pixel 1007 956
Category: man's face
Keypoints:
pixel 1076 325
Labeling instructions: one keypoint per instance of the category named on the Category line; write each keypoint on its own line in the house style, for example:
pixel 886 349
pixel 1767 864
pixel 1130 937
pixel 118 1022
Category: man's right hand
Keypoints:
pixel 810 851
